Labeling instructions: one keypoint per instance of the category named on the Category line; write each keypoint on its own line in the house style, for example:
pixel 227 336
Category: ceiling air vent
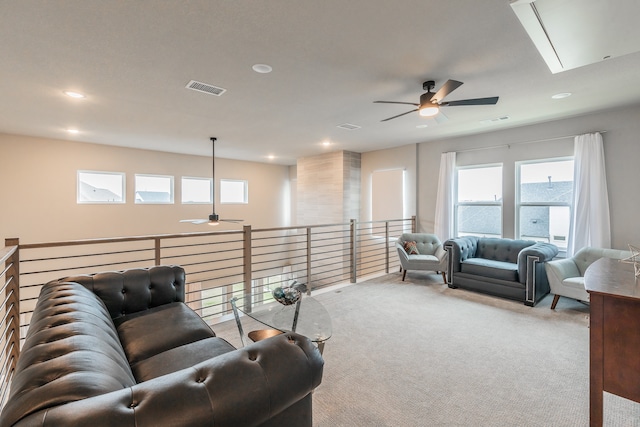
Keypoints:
pixel 349 126
pixel 205 88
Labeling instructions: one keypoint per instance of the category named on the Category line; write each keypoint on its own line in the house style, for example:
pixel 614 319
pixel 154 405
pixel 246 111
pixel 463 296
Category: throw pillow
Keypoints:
pixel 411 248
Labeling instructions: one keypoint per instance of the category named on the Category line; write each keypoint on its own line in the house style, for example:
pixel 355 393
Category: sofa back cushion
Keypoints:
pixel 426 244
pixel 71 352
pixel 505 250
pixel 134 290
pixel 588 255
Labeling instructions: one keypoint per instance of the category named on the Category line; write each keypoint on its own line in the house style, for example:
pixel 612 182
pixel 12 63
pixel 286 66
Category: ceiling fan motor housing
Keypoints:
pixel 214 217
pixel 425 98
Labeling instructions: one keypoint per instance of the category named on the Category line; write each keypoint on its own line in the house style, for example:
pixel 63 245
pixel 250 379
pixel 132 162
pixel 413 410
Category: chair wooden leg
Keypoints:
pixel 555 301
pixel 444 277
pixel 404 273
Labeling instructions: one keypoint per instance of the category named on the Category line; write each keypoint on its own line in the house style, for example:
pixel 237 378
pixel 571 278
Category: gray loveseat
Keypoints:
pixel 507 268
pixel 122 349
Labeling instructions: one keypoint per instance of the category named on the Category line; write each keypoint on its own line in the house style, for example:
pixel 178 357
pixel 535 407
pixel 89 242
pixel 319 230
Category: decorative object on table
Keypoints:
pixel 634 259
pixel 287 295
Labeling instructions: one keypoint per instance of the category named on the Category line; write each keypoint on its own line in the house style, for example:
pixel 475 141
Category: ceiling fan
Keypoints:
pixel 430 102
pixel 214 218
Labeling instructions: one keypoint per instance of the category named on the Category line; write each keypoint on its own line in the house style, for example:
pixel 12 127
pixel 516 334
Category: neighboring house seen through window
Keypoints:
pixel 479 201
pixel 154 189
pixel 101 187
pixel 544 197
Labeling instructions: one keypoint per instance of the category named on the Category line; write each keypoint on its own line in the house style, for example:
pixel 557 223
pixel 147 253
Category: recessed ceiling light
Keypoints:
pixel 262 68
pixel 271 157
pixel 422 126
pixel 74 131
pixel 326 143
pixel 74 94
pixel 561 95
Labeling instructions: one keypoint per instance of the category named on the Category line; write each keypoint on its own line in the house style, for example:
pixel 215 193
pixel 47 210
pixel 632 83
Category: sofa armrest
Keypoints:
pixel 245 387
pixel 561 269
pixel 531 270
pixel 541 252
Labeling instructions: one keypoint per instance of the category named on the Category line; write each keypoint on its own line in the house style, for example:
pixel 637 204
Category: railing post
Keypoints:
pixel 414 224
pixel 13 302
pixel 247 273
pixel 157 251
pixel 308 260
pixel 386 247
pixel 354 250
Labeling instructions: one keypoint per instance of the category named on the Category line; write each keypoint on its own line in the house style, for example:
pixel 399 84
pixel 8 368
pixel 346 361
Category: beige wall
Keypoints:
pixel 622 153
pixel 394 158
pixel 39 191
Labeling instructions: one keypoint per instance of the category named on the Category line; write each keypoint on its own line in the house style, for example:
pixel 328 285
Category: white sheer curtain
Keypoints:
pixel 590 225
pixel 443 225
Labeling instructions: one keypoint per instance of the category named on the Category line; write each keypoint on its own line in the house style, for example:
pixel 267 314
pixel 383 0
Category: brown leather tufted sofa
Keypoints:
pixel 122 349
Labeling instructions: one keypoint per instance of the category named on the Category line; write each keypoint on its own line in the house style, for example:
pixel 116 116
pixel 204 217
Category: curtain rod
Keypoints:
pixel 524 142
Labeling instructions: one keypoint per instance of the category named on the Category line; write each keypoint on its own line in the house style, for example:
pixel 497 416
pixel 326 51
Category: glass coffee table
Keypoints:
pixel 307 317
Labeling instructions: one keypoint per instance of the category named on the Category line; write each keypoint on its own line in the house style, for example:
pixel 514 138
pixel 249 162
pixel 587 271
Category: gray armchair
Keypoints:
pixel 431 255
pixel 566 276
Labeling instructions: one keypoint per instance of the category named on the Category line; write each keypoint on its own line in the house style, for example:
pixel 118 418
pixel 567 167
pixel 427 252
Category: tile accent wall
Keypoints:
pixel 328 189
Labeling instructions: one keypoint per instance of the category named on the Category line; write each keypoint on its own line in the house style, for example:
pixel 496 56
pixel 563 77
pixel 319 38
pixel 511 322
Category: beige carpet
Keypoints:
pixel 417 353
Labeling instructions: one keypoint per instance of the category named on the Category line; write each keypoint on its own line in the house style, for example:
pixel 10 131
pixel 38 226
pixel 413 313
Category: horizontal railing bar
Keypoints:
pixel 6 284
pixel 7 268
pixel 56 258
pixel 124 239
pixel 88 266
pixel 7 298
pixel 224 242
pixel 298 227
pixel 7 252
pixel 209 261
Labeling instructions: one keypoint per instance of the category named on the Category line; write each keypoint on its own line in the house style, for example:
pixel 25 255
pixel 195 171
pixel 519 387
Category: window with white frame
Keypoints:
pixel 234 191
pixel 544 200
pixel 479 201
pixel 101 187
pixel 196 190
pixel 153 189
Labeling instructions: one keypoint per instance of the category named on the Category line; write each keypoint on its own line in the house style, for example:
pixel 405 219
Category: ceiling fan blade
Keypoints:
pixel 445 90
pixel 394 102
pixel 232 220
pixel 441 118
pixel 195 221
pixel 399 115
pixel 477 101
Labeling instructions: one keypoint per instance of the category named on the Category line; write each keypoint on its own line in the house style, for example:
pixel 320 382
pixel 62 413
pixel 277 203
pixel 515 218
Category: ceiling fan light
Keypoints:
pixel 213 223
pixel 429 110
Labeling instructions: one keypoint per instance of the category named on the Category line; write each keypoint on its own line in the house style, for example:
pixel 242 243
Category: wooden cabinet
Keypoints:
pixel 614 333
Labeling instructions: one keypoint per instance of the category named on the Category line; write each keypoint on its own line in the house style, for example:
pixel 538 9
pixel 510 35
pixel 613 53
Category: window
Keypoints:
pixel 479 201
pixel 196 190
pixel 101 187
pixel 544 199
pixel 154 189
pixel 234 191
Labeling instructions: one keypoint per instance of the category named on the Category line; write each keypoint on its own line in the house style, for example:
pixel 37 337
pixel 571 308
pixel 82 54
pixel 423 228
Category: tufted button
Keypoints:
pixel 133 405
pixel 124 291
pixel 252 357
pixel 200 380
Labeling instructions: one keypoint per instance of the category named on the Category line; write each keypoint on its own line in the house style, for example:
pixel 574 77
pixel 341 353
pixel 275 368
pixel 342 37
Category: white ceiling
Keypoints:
pixel 331 59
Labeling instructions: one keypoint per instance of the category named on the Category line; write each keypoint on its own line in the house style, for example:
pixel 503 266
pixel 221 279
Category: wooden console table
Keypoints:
pixel 614 333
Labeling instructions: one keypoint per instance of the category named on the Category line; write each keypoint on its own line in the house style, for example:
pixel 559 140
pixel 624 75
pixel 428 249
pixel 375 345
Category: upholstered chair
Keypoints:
pixel 427 254
pixel 566 276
